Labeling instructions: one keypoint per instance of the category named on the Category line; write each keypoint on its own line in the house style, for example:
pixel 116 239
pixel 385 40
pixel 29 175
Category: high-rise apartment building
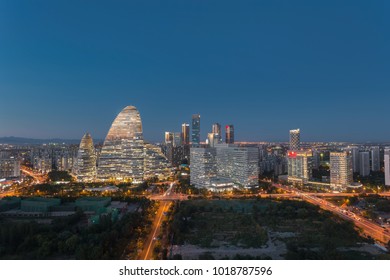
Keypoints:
pixel 355 158
pixel 341 174
pixel 195 130
pixel 375 159
pixel 9 167
pixel 364 159
pixel 387 166
pixel 229 139
pixel 295 139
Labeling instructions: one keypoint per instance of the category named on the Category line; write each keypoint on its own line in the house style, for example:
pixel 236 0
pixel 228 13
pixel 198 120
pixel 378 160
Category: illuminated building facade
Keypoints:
pixel 295 139
pixel 300 164
pixel 168 137
pixel 122 155
pixel 203 166
pixel 341 174
pixel 185 134
pixel 195 130
pixel 224 165
pixel 9 168
pixel 239 164
pixel 86 160
pixel 387 166
pixel 216 129
pixel 155 162
pixel 229 139
pixel 212 139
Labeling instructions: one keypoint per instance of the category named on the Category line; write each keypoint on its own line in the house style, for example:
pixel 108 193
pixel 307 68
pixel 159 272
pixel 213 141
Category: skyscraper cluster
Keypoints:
pixel 176 145
pixel 301 162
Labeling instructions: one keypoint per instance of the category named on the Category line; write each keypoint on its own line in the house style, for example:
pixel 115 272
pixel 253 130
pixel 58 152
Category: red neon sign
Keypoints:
pixel 292 154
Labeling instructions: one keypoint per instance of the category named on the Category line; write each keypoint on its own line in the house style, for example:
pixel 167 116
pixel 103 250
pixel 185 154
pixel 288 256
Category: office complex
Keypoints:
pixel 300 164
pixel 341 174
pixel 185 134
pixel 173 138
pixel 122 155
pixel 168 137
pixel 295 139
pixel 173 148
pixel 155 162
pixel 229 138
pixel 86 160
pixel 212 139
pixel 387 166
pixel 177 139
pixel 217 131
pixel 203 166
pixel 239 164
pixel 195 130
pixel 364 168
pixel 224 165
pixel 375 159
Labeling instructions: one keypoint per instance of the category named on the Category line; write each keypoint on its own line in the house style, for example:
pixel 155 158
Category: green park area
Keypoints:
pixel 73 237
pixel 264 229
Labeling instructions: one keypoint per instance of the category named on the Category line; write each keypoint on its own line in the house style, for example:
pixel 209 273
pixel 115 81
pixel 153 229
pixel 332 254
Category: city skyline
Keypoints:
pixel 280 66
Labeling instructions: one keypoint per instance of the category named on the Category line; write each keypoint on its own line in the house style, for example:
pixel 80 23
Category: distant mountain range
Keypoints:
pixel 20 141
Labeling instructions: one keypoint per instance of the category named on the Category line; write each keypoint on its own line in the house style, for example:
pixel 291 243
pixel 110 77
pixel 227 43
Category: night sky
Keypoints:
pixel 67 67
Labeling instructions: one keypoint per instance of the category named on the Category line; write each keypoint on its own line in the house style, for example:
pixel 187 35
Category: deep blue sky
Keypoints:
pixel 67 67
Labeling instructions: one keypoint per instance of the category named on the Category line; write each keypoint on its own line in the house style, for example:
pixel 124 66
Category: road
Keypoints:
pixel 147 252
pixel 165 204
pixel 39 178
pixel 7 193
pixel 369 228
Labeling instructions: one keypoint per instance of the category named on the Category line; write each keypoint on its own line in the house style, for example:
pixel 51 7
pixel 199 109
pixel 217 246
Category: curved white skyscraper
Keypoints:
pixel 86 160
pixel 122 155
